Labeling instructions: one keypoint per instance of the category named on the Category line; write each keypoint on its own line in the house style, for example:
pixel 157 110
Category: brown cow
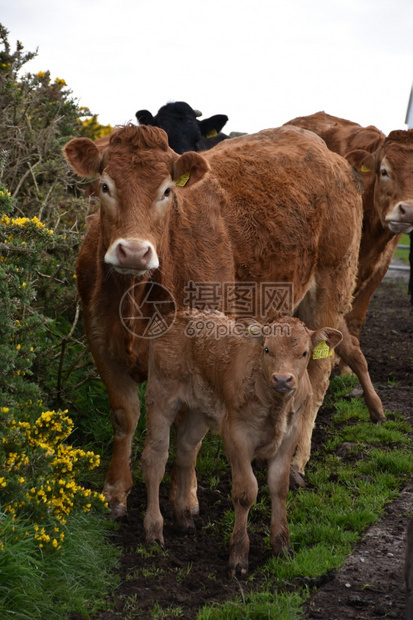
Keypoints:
pixel 250 385
pixel 386 166
pixel 274 207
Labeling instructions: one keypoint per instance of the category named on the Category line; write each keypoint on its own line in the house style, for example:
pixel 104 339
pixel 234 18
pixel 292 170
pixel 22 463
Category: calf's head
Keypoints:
pixel 287 347
pixel 137 173
pixel 390 168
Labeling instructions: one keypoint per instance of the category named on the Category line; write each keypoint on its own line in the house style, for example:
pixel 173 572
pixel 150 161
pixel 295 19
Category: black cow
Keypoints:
pixel 185 131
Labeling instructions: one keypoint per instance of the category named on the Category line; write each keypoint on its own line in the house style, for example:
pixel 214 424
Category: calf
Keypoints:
pixel 250 384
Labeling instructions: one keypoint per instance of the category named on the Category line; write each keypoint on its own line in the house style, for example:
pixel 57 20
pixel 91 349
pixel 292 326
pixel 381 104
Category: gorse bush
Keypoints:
pixel 40 474
pixel 38 116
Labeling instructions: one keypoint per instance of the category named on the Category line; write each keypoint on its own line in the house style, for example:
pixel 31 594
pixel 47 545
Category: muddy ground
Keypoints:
pixel 194 570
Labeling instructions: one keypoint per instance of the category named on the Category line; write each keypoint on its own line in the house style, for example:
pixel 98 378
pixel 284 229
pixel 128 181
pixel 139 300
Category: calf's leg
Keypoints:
pixel 278 485
pixel 190 432
pixel 244 494
pixel 154 457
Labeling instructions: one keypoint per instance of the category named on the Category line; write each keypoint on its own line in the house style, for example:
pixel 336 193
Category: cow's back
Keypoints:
pixel 341 136
pixel 287 196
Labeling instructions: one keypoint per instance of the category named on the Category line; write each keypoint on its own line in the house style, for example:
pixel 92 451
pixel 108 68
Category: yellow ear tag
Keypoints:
pixel 322 350
pixel 183 179
pixel 364 168
pixel 212 133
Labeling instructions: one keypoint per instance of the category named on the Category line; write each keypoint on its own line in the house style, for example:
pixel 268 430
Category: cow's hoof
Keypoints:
pixel 296 479
pixel 184 522
pixel 117 511
pixel 238 570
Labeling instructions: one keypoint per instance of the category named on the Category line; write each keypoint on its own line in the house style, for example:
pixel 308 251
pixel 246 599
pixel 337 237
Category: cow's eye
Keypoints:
pixel 167 192
pixel 266 350
pixel 305 353
pixel 105 188
pixel 384 172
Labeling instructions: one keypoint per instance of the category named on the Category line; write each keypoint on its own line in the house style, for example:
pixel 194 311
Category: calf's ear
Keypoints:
pixel 83 156
pixel 331 337
pixel 189 168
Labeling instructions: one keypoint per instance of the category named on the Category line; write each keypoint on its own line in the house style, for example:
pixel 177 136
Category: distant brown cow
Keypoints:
pixel 250 385
pixel 386 169
pixel 270 210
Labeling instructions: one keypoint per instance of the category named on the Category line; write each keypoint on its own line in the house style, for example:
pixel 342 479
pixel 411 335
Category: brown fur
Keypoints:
pixel 273 207
pixel 366 148
pixel 252 390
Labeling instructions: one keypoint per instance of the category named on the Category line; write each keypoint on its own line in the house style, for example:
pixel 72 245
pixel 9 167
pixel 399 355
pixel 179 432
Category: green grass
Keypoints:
pixel 35 586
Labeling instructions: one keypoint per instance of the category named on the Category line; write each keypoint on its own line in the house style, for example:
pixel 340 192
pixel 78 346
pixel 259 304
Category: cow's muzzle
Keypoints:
pixel 132 256
pixel 400 218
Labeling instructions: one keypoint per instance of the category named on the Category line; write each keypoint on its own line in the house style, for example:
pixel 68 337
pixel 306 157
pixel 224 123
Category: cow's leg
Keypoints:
pixel 350 352
pixel 125 411
pixel 189 435
pixel 278 485
pixel 356 318
pixel 159 417
pixel 319 372
pixel 244 494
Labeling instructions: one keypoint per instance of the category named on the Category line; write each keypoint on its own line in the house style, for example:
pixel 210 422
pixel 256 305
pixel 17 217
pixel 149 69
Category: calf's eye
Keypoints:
pixel 105 188
pixel 305 353
pixel 384 172
pixel 266 350
pixel 167 192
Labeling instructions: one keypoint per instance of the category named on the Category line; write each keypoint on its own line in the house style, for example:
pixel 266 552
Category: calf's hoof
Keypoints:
pixel 377 416
pixel 154 535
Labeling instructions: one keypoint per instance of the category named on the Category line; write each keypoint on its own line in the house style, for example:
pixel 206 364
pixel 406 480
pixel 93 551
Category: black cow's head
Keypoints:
pixel 185 131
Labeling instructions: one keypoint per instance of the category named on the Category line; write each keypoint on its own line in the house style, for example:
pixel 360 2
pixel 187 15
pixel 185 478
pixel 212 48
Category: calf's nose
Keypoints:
pixel 283 383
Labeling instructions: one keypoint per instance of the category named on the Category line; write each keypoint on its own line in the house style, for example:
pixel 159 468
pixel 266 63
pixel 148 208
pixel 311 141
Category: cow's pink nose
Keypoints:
pixel 134 255
pixel 283 383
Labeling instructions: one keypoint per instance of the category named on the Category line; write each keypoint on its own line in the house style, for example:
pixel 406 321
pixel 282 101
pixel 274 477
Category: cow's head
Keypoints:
pixel 180 121
pixel 390 169
pixel 137 173
pixel 287 347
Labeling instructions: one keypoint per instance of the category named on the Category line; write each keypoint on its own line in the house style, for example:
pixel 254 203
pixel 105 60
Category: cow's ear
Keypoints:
pixel 324 341
pixel 145 117
pixel 189 168
pixel 210 127
pixel 83 156
pixel 363 161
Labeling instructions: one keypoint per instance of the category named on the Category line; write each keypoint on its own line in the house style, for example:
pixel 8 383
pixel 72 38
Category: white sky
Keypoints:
pixel 261 62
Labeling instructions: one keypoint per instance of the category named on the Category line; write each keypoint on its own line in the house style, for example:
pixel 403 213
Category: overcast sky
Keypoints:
pixel 261 62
